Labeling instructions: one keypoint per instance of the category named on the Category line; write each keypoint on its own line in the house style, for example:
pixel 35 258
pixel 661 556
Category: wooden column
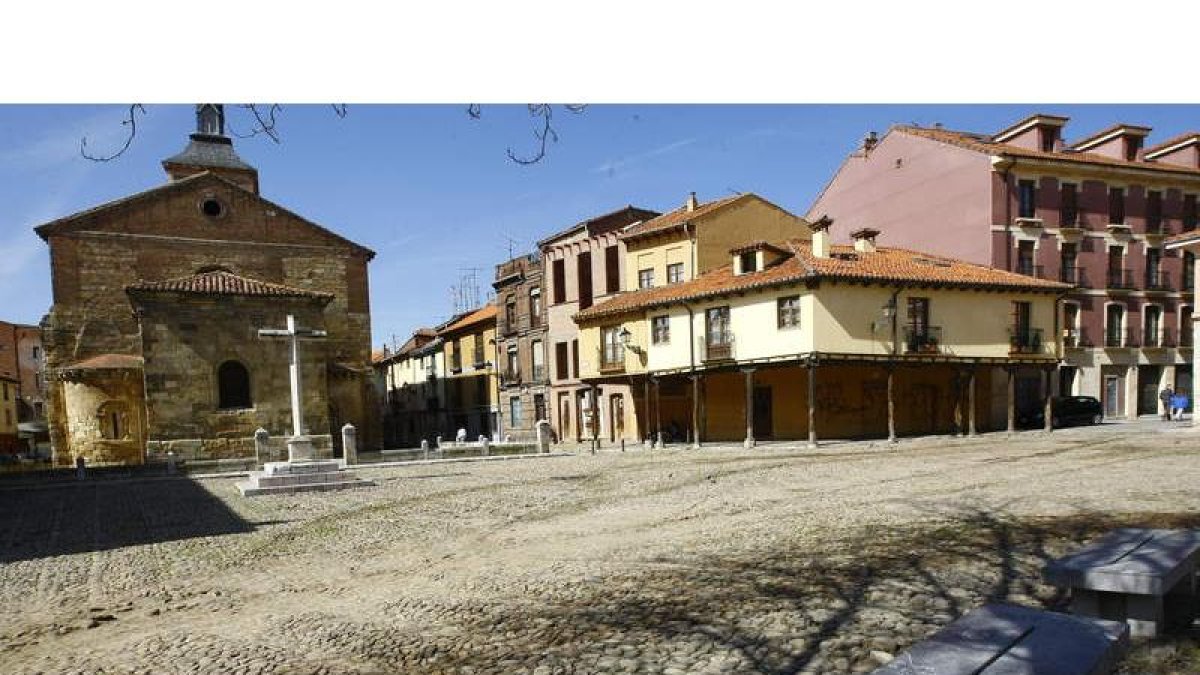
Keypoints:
pixel 812 403
pixel 658 412
pixel 696 410
pixel 644 421
pixel 891 403
pixel 1047 405
pixel 958 399
pixel 971 402
pixel 595 418
pixel 749 442
pixel 1012 398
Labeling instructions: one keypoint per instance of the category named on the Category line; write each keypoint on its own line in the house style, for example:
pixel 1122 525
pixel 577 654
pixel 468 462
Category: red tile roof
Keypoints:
pixel 221 282
pixel 677 217
pixel 982 143
pixel 108 362
pixel 1176 140
pixel 478 316
pixel 895 265
pixel 1087 140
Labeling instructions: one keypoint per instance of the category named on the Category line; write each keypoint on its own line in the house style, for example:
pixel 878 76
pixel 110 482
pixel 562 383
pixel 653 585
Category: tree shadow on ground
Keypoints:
pixel 785 610
pixel 63 518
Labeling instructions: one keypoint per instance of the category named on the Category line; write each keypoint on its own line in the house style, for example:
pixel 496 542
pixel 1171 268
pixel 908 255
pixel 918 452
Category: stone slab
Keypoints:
pixel 290 468
pixel 1001 639
pixel 1129 560
pixel 251 489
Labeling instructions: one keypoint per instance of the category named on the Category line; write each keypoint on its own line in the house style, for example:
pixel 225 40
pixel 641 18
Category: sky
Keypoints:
pixel 433 191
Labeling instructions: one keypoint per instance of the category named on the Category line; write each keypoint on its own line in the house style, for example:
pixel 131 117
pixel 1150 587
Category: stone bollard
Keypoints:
pixel 439 443
pixel 80 468
pixel 486 444
pixel 350 444
pixel 543 436
pixel 262 446
pixel 171 463
pixel 425 448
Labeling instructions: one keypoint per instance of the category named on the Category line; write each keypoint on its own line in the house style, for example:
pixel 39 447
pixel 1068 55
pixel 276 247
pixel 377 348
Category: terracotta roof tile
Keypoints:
pixel 478 316
pixel 221 282
pixel 1091 138
pixel 677 217
pixel 981 143
pixel 1175 140
pixel 108 362
pixel 883 265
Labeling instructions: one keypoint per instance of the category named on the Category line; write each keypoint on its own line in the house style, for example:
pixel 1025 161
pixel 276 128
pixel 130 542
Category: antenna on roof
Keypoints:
pixel 512 242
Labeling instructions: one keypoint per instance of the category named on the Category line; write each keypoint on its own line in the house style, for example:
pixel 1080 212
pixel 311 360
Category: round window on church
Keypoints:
pixel 212 207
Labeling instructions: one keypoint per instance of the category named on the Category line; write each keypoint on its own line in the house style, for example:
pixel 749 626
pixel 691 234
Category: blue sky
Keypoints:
pixel 433 192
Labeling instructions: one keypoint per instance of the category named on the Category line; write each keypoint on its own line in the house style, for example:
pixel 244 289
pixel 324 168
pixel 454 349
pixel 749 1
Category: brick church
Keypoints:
pixel 152 343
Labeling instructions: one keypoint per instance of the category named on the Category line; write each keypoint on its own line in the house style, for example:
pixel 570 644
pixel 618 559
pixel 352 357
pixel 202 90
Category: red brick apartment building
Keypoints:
pixel 1094 212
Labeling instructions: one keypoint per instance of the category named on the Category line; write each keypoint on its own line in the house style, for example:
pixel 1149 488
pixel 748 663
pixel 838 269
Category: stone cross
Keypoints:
pixel 294 335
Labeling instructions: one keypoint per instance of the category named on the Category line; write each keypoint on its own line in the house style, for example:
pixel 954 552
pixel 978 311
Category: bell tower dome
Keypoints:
pixel 209 149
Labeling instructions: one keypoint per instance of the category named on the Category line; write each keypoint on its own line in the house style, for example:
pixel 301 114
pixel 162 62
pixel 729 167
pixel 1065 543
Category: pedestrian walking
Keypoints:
pixel 1165 397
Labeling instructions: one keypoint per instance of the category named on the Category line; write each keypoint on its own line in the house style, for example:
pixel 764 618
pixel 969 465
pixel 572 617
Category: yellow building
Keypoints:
pixel 9 443
pixel 470 385
pixel 786 340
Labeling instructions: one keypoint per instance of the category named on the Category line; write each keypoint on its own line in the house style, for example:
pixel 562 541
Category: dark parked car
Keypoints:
pixel 1067 410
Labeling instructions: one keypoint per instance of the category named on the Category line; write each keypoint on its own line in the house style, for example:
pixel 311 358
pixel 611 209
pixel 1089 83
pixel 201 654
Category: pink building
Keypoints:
pixel 1093 213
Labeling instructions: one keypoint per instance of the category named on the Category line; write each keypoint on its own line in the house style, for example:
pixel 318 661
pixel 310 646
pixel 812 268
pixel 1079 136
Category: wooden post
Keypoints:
pixel 595 418
pixel 971 402
pixel 658 412
pixel 644 422
pixel 1047 404
pixel 1012 398
pixel 956 386
pixel 891 403
pixel 696 410
pixel 749 442
pixel 812 403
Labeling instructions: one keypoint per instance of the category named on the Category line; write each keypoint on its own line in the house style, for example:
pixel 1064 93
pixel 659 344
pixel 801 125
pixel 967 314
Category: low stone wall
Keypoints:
pixel 212 449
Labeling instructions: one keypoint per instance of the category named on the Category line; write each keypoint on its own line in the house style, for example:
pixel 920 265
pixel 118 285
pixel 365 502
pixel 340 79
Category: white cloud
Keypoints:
pixel 625 162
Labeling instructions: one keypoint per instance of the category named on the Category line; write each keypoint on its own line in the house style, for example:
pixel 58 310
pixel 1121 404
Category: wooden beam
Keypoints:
pixel 1012 398
pixel 891 404
pixel 971 402
pixel 1047 404
pixel 696 410
pixel 749 442
pixel 812 403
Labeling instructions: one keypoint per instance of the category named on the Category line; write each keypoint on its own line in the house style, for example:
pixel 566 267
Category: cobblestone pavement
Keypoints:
pixel 774 560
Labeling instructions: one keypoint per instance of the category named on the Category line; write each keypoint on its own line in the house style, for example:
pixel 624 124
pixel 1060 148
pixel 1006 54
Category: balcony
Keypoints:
pixel 1068 219
pixel 1076 276
pixel 1119 280
pixel 1028 222
pixel 1158 281
pixel 716 347
pixel 510 378
pixel 1118 338
pixel 1075 338
pixel 1025 340
pixel 611 359
pixel 1159 339
pixel 922 339
pixel 539 374
pixel 1027 268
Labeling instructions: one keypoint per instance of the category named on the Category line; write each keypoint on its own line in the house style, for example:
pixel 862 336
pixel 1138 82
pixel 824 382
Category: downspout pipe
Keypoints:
pixel 1003 165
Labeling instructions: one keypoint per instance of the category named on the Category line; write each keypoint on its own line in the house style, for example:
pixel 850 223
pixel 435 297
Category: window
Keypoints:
pixel 1071 323
pixel 575 358
pixel 1068 258
pixel 1154 211
pixel 675 273
pixel 646 278
pixel 456 355
pixel 1068 211
pixel 1026 192
pixel 535 307
pixel 1046 138
pixel 717 320
pixel 538 357
pixel 584 261
pixel 37 353
pixel 1114 324
pixel 1189 213
pixel 112 418
pixel 559 271
pixel 612 351
pixel 1154 275
pixel 918 316
pixel 1152 320
pixel 612 270
pixel 749 261
pixel 539 407
pixel 1023 338
pixel 233 386
pixel 510 314
pixel 788 311
pixel 480 359
pixel 514 362
pixel 1116 206
pixel 1025 258
pixel 514 411
pixel 1189 270
pixel 562 360
pixel 661 330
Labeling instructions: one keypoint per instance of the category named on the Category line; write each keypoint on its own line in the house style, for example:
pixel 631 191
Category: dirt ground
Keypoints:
pixel 779 559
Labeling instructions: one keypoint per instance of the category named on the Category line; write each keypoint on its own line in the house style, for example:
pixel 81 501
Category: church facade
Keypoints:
pixel 152 343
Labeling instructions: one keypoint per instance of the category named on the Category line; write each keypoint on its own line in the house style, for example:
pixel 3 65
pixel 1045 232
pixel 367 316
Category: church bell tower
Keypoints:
pixel 209 149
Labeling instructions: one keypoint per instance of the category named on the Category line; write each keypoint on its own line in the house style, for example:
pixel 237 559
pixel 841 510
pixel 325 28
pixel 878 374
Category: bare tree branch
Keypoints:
pixel 546 134
pixel 474 111
pixel 129 121
pixel 340 109
pixel 264 125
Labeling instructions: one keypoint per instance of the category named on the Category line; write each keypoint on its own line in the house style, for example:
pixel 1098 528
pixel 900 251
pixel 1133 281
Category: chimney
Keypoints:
pixel 820 236
pixel 864 239
pixel 691 202
pixel 870 142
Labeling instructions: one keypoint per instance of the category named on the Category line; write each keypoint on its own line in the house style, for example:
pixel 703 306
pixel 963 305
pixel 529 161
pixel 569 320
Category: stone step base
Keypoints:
pixel 309 467
pixel 285 478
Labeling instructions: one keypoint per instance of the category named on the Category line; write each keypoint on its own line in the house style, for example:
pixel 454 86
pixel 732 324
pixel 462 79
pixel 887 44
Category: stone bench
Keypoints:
pixel 1141 576
pixel 1010 640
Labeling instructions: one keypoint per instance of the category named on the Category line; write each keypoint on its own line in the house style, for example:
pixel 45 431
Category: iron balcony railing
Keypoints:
pixel 1158 280
pixel 1115 337
pixel 1023 340
pixel 1152 338
pixel 1076 337
pixel 922 339
pixel 510 377
pixel 612 358
pixel 716 346
pixel 539 374
pixel 1076 276
pixel 1068 217
pixel 1029 269
pixel 1122 279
